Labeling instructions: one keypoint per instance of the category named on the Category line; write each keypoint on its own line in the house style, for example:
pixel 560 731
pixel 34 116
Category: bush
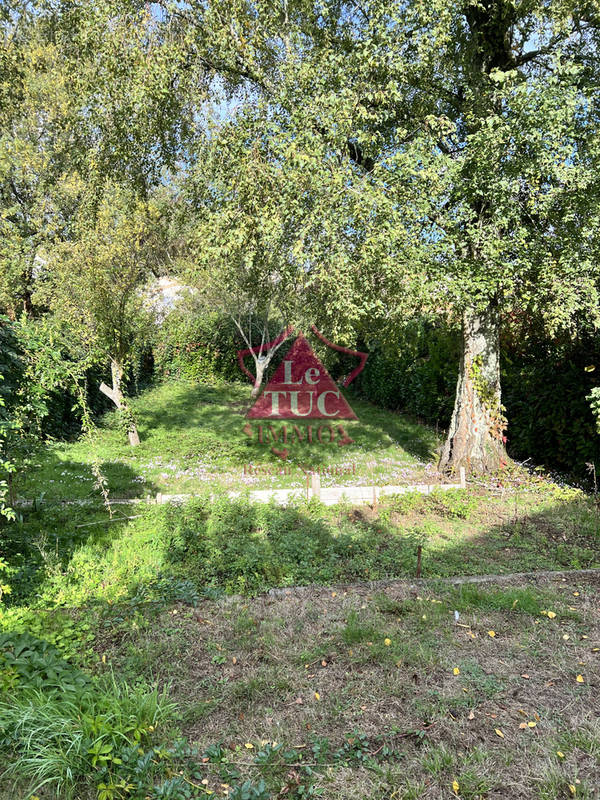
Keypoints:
pixel 248 548
pixel 66 732
pixel 418 375
pixel 547 385
pixel 546 382
pixel 197 346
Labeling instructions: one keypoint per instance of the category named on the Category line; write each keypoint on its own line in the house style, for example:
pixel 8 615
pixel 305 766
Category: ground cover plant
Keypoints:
pixel 192 437
pixel 161 652
pixel 414 690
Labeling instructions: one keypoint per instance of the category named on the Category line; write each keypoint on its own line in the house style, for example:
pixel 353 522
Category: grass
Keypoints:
pixel 203 684
pixel 376 708
pixel 192 437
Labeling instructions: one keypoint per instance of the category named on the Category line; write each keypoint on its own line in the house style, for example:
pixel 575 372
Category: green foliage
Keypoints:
pixel 418 374
pixel 548 382
pixel 197 346
pixel 548 387
pixel 453 503
pixel 594 398
pixel 98 735
pixel 30 663
pixel 248 548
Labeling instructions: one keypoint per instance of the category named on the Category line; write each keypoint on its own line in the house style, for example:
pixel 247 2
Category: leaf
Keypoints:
pixel 317 696
pixel 523 725
pixel 455 786
pixel 492 634
pixel 560 754
pixel 580 679
pixel 531 724
pixel 499 733
pixel 572 789
pixel 471 715
pixel 249 746
pixel 387 642
pixel 456 671
pixel 551 614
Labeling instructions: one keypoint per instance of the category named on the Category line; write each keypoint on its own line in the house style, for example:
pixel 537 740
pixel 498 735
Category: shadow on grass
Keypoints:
pixel 239 547
pixel 60 479
pixel 218 413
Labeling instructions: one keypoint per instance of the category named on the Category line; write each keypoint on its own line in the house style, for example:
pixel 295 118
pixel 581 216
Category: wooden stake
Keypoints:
pixel 419 551
pixel 316 485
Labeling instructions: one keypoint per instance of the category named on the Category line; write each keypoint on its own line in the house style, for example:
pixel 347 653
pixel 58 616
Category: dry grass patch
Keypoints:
pixel 388 695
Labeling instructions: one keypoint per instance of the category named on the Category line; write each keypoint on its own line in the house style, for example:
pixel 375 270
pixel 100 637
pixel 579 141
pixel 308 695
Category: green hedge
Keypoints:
pixel 418 375
pixel 545 386
pixel 198 347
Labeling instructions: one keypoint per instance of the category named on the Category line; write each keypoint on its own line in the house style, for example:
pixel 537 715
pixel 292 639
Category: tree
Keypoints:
pixel 95 285
pixel 238 241
pixel 445 154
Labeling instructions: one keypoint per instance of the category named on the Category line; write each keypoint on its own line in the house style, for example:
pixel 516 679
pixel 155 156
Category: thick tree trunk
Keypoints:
pixel 115 394
pixel 476 439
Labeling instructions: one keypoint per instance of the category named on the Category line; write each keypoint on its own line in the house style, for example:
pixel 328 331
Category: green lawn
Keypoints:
pixel 192 437
pixel 142 657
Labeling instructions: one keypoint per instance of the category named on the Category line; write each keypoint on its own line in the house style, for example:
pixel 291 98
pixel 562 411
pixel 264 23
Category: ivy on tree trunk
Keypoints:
pixel 475 438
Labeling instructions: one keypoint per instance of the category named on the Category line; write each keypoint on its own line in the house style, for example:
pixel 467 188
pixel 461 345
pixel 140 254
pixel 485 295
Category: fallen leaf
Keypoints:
pixel 572 789
pixel 456 671
pixel 455 786
pixel 575 594
pixel 560 754
pixel 387 642
pixel 317 696
pixel 471 715
pixel 580 679
pixel 234 660
pixel 525 676
pixel 249 746
pixel 333 594
pixel 531 724
pixel 523 725
pixel 492 633
pixel 551 614
pixel 566 637
pixel 499 733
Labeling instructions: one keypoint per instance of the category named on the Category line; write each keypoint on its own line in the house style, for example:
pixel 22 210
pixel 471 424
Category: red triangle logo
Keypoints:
pixel 301 388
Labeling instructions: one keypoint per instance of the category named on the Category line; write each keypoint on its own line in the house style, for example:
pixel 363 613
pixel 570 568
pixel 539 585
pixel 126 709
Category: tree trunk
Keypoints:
pixel 260 366
pixel 115 394
pixel 476 438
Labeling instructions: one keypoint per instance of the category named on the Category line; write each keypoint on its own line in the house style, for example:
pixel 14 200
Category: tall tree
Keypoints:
pixel 442 155
pixel 95 284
